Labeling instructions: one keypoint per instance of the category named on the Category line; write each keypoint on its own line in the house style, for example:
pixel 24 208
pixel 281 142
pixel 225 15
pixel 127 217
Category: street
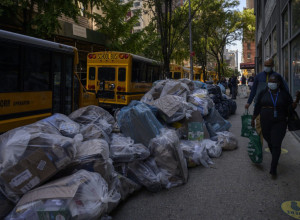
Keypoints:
pixel 233 188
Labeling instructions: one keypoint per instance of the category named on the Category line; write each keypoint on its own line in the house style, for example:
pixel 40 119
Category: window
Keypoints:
pixel 249 56
pixel 122 74
pixel 295 53
pixel 248 46
pixel 136 4
pixel 285 25
pixel 37 70
pixel 57 74
pixel 92 73
pixel 177 75
pixel 274 41
pixel 68 83
pixel 106 73
pixel 9 67
pixel 285 62
pixel 295 16
pixel 197 76
pixel 143 73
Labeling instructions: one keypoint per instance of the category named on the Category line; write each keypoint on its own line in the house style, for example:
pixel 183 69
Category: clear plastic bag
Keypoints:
pixel 169 157
pixel 203 102
pixel 195 153
pixel 227 140
pixel 29 158
pixel 63 124
pixel 94 115
pixel 83 195
pixel 174 87
pixel 212 148
pixel 123 149
pixel 215 123
pixel 93 131
pixel 138 122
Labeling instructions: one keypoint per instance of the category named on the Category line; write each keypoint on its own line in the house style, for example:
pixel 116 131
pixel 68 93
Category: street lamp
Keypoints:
pixel 191 45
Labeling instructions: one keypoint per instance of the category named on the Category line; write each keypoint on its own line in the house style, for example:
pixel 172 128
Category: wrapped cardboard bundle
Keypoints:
pixel 195 153
pixel 201 99
pixel 63 124
pixel 93 131
pixel 188 82
pixel 123 149
pixel 169 157
pixel 94 115
pixel 28 158
pixel 138 122
pixel 174 87
pixel 83 195
pixel 154 92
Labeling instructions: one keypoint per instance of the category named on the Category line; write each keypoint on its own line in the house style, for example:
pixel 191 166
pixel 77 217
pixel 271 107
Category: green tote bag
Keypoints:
pixel 254 147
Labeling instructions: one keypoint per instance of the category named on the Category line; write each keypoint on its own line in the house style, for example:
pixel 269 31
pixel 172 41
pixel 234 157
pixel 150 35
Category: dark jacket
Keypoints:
pixel 260 83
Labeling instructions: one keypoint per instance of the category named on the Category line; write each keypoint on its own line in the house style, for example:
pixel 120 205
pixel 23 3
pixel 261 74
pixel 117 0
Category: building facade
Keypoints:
pixel 231 58
pixel 278 36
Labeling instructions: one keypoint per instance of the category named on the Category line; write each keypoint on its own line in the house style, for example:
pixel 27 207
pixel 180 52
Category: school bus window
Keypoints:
pixel 122 74
pixel 155 75
pixel 57 74
pixel 92 73
pixel 9 68
pixel 106 73
pixel 143 73
pixel 177 75
pixel 135 71
pixel 149 73
pixel 37 70
pixel 197 76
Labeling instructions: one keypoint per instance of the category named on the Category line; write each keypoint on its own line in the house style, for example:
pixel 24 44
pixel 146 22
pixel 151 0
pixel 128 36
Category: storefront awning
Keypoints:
pixel 247 65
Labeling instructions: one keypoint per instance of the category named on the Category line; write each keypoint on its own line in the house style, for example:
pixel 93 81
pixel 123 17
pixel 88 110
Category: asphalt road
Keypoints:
pixel 233 188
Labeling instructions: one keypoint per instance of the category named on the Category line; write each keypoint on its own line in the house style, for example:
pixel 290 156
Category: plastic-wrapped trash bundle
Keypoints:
pixel 63 124
pixel 226 140
pixel 94 115
pixel 215 123
pixel 5 206
pixel 29 158
pixel 93 131
pixel 214 89
pixel 174 87
pixel 169 157
pixel 199 85
pixel 242 91
pixel 188 82
pixel 195 153
pixel 147 174
pixel 203 102
pixel 83 195
pixel 173 108
pixel 138 122
pixel 123 149
pixel 212 148
pixel 154 92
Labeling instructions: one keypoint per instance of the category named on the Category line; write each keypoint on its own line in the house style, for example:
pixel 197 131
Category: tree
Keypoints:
pixel 171 21
pixel 38 17
pixel 248 24
pixel 117 22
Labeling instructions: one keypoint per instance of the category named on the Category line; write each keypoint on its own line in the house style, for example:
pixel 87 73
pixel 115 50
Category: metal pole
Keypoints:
pixel 191 45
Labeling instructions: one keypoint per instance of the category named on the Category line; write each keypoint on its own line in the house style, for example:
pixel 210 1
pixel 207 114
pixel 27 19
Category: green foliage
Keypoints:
pixel 248 24
pixel 38 17
pixel 117 23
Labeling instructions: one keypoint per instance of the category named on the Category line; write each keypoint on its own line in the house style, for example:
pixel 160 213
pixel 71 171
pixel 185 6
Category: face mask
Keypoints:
pixel 272 86
pixel 267 69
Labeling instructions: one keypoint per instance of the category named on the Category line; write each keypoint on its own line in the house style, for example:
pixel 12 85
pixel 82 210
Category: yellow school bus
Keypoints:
pixel 198 73
pixel 37 79
pixel 176 72
pixel 212 75
pixel 117 78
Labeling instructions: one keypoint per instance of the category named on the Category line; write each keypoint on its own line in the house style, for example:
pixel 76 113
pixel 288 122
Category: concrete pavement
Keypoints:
pixel 233 188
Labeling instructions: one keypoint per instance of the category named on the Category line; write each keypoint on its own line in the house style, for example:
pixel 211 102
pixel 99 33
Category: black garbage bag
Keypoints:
pixel 233 106
pixel 223 109
pixel 214 89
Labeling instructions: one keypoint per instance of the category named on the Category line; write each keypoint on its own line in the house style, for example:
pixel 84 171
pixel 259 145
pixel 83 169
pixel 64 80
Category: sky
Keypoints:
pixel 238 45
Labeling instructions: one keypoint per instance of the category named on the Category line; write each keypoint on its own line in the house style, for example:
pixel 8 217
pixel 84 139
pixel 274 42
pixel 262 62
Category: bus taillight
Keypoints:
pixel 92 56
pixel 121 56
pixel 126 56
pixel 119 88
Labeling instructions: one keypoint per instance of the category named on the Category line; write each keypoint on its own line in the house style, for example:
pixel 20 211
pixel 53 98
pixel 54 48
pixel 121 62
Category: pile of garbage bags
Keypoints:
pixel 223 104
pixel 81 167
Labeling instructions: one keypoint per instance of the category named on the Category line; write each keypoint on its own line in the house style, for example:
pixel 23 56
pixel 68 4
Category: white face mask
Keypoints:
pixel 272 86
pixel 268 69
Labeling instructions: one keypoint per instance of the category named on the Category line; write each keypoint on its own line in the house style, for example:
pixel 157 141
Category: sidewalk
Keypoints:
pixel 233 188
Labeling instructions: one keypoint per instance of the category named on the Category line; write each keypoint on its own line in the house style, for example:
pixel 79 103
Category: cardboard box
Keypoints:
pixel 31 171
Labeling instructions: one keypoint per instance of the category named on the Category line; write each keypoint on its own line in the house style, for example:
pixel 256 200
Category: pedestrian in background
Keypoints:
pixel 234 86
pixel 229 85
pixel 243 80
pixel 251 80
pixel 272 104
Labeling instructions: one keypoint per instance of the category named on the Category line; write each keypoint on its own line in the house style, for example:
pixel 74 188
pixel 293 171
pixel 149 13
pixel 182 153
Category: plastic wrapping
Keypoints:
pixel 195 153
pixel 83 195
pixel 199 85
pixel 215 123
pixel 29 158
pixel 154 92
pixel 93 131
pixel 223 89
pixel 169 157
pixel 242 91
pixel 138 122
pixel 226 140
pixel 213 149
pixel 174 87
pixel 5 206
pixel 203 102
pixel 94 115
pixel 63 124
pixel 188 82
pixel 147 174
pixel 123 149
